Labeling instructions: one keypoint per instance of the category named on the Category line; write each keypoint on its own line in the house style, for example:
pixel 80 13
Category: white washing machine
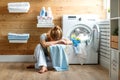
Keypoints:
pixel 82 24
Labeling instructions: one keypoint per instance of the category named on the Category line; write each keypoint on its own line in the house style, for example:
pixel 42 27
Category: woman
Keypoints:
pixel 52 37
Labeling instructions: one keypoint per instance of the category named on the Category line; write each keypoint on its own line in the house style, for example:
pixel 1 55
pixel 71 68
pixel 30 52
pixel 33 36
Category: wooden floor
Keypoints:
pixel 18 71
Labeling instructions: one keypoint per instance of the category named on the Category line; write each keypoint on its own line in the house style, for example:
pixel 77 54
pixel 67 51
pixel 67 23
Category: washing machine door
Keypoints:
pixel 83 32
pixel 96 37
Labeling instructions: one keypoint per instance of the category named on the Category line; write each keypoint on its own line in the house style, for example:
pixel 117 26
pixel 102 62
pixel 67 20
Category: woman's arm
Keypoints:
pixel 47 43
pixel 68 42
pixel 62 41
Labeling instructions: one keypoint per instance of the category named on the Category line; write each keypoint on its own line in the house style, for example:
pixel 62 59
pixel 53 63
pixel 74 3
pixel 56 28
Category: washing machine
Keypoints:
pixel 86 25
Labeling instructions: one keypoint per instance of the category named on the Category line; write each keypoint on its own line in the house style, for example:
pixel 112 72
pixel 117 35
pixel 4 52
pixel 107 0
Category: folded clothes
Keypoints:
pixel 18 36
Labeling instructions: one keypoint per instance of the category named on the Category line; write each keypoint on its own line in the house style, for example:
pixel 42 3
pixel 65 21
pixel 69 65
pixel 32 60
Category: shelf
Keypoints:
pixel 115 39
pixel 45 22
pixel 114 45
pixel 115 18
pixel 18 41
pixel 114 27
pixel 114 42
pixel 114 34
pixel 45 25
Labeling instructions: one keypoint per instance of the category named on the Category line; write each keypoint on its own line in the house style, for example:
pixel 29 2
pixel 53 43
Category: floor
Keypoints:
pixel 18 71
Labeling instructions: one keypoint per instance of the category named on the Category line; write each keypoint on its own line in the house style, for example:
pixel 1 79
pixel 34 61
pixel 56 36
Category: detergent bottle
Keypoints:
pixel 49 12
pixel 43 12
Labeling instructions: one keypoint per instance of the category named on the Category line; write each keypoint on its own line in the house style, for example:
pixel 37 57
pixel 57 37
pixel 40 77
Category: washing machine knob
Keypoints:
pixel 79 19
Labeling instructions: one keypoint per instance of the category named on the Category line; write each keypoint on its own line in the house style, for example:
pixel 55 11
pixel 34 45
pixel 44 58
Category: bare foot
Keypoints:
pixel 43 69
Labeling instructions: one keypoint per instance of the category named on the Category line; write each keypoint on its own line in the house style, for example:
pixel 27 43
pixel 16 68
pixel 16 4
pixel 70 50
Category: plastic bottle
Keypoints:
pixel 42 12
pixel 49 12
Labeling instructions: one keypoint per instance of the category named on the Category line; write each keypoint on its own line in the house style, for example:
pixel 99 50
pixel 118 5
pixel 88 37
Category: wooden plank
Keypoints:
pixel 114 39
pixel 13 46
pixel 16 52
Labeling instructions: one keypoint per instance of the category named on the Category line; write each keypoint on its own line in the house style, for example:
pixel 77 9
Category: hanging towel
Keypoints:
pixel 59 57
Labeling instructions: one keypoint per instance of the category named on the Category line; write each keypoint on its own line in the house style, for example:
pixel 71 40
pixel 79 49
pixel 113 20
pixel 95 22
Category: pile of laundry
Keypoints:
pixel 18 38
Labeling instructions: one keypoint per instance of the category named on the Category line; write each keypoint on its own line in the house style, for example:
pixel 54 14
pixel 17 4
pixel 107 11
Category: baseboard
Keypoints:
pixel 16 58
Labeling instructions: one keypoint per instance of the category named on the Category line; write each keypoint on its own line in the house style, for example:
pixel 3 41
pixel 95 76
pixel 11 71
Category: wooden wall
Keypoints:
pixel 26 22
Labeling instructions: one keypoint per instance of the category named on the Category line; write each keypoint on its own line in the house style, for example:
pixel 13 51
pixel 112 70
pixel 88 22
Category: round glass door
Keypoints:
pixel 82 33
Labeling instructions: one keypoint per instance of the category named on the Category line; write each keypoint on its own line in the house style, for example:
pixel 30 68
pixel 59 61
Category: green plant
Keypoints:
pixel 115 31
pixel 108 10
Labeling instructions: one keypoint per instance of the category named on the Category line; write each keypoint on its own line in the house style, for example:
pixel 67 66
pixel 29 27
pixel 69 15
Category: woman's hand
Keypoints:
pixel 67 41
pixel 64 41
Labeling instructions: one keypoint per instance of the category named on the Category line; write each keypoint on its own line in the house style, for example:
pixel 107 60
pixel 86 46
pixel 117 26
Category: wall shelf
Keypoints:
pixel 45 25
pixel 18 41
pixel 114 18
pixel 45 22
pixel 115 40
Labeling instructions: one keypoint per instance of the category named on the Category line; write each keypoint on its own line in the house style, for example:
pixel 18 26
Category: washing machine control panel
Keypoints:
pixel 71 17
pixel 81 18
pixel 74 18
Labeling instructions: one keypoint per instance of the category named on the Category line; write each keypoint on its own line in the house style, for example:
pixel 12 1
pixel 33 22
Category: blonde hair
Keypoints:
pixel 56 33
